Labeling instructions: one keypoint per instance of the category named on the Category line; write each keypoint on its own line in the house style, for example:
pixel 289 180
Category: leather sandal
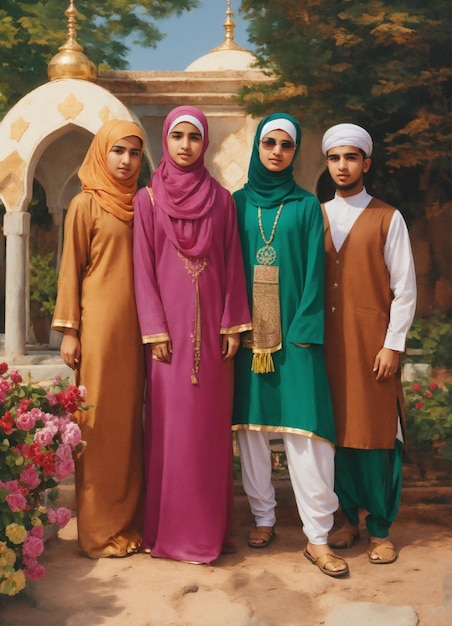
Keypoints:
pixel 265 534
pixel 324 560
pixel 386 552
pixel 341 539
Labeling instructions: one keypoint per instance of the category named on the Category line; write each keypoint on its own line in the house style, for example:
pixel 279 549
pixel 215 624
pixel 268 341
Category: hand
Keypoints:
pixel 70 348
pixel 386 363
pixel 229 345
pixel 162 351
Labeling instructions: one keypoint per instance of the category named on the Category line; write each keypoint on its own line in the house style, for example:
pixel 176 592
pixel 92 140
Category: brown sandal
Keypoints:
pixel 322 562
pixel 265 534
pixel 386 552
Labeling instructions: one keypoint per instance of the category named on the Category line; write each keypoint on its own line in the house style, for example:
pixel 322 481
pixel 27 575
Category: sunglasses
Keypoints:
pixel 269 143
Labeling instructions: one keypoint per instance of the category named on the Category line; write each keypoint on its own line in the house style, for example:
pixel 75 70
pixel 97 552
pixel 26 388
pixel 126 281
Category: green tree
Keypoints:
pixel 382 64
pixel 31 32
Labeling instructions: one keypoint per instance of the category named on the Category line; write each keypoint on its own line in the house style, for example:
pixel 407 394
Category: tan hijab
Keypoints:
pixel 113 196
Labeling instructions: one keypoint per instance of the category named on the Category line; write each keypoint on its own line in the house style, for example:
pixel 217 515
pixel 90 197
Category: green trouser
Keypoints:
pixel 370 480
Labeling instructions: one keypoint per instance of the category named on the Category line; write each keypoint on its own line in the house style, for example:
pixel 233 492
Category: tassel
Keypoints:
pixel 262 363
pixel 194 379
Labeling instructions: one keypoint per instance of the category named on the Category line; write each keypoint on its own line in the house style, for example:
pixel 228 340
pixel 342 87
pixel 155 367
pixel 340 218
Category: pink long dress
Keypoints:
pixel 188 458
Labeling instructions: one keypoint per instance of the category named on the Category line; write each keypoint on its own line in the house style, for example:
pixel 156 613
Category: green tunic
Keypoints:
pixel 295 397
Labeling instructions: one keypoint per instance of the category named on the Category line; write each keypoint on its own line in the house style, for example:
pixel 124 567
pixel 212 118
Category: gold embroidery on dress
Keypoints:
pixel 195 267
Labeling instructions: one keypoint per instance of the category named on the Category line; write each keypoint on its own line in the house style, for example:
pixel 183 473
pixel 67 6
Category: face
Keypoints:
pixel 276 150
pixel 185 144
pixel 347 167
pixel 124 158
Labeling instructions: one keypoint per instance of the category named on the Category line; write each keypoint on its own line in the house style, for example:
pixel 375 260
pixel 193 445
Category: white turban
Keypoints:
pixel 280 124
pixel 347 135
pixel 191 120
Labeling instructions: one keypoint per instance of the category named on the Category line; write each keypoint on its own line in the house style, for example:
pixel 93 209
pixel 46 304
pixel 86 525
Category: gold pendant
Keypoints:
pixel 266 255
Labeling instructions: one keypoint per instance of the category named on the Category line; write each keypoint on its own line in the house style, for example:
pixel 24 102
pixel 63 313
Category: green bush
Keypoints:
pixel 43 284
pixel 432 335
pixel 429 417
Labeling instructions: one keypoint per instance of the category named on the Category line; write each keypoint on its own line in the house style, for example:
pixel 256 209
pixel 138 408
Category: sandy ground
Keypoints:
pixel 272 587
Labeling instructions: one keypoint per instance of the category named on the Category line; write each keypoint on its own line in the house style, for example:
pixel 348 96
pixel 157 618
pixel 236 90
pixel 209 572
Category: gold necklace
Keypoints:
pixel 267 254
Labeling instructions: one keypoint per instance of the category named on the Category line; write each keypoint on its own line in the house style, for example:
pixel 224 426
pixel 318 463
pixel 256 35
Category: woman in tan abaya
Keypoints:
pixel 96 311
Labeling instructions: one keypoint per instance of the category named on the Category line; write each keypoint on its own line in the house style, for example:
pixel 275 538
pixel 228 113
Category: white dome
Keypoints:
pixel 225 59
pixel 227 56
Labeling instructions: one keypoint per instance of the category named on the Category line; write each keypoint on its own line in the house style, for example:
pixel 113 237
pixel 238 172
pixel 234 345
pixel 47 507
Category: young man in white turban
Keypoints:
pixel 370 293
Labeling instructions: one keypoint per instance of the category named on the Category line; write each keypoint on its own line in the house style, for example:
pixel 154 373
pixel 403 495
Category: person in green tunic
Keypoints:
pixel 280 377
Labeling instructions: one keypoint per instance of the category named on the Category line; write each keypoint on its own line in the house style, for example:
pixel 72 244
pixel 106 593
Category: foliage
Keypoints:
pixel 382 64
pixel 429 417
pixel 38 439
pixel 43 284
pixel 31 32
pixel 432 335
pixel 40 215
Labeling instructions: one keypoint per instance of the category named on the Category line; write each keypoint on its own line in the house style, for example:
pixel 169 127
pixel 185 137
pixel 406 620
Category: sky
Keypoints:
pixel 189 37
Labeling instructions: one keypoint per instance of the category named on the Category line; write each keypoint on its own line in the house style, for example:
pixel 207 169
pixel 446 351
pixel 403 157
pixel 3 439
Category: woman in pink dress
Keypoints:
pixel 192 305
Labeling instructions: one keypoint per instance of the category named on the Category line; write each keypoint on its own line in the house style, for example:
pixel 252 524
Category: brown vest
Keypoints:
pixel 357 304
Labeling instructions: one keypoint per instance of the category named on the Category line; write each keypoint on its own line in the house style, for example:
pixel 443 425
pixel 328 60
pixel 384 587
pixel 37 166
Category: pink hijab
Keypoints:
pixel 184 196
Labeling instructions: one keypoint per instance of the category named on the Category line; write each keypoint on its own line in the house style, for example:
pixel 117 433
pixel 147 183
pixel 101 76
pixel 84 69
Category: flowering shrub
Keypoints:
pixel 38 440
pixel 429 417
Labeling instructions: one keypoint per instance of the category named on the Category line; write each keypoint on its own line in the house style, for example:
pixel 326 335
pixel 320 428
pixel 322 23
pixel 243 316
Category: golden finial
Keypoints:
pixel 70 62
pixel 229 27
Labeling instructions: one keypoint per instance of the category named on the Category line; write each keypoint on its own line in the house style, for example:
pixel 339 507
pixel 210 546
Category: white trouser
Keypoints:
pixel 311 469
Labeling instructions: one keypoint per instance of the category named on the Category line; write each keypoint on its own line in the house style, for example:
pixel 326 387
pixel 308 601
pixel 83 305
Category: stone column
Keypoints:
pixel 16 227
pixel 57 214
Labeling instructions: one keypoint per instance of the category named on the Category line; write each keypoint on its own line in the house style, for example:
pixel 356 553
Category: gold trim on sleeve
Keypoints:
pixel 155 338
pixel 236 329
pixel 57 324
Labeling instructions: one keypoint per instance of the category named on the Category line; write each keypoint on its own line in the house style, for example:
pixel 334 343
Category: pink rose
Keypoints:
pixel 37 531
pixel 26 421
pixel 416 387
pixel 36 572
pixel 419 405
pixel 433 386
pixel 3 368
pixel 15 376
pixel 12 485
pixel 52 398
pixel 16 502
pixel 82 392
pixel 33 546
pixel 70 434
pixel 30 477
pixel 51 421
pixel 63 469
pixel 64 463
pixel 44 436
pixel 5 387
pixel 61 516
pixel 37 413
